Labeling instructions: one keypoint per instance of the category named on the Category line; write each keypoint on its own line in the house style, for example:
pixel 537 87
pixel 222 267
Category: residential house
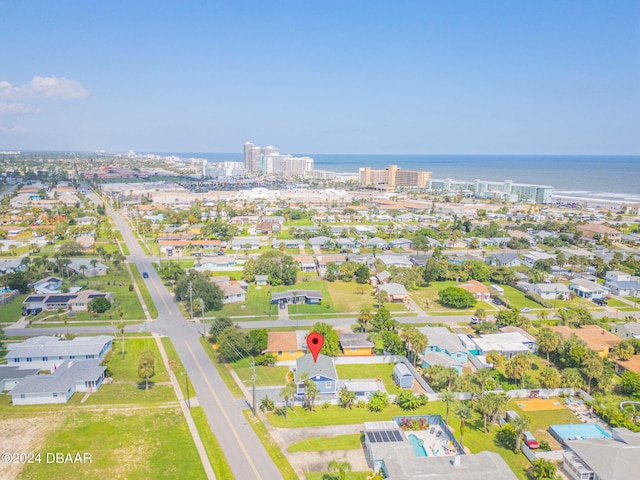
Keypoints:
pixel 596 337
pixel 289 243
pixel 382 277
pixel 246 243
pixel 356 344
pixel 232 292
pixel 443 342
pixel 11 375
pixel 506 344
pixel 599 231
pixel 532 257
pixel 396 292
pixel 613 458
pixel 402 376
pixel 286 345
pixel 633 365
pixel 391 260
pixel 59 386
pixel 587 289
pixel 86 221
pixel 268 228
pixel 262 280
pixel 86 241
pixel 320 242
pixel 346 243
pixel 77 302
pixel 504 260
pixel 323 260
pixel 616 276
pixel 322 372
pixel 626 330
pixel 376 242
pixel 479 290
pixel 404 243
pixel 550 291
pixel 47 353
pixel 47 285
pixel 629 288
pixel 222 263
pixel 86 269
pixel 296 297
pixel 306 263
pixel 438 358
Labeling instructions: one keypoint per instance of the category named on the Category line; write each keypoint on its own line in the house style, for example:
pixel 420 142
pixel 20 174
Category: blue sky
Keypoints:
pixel 525 77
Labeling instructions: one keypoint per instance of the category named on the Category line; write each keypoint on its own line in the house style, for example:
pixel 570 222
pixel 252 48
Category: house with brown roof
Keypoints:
pixel 590 230
pixel 596 337
pixel 479 290
pixel 633 364
pixel 267 228
pixel 286 345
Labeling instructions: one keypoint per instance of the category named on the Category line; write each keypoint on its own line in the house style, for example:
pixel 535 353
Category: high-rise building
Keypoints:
pixel 393 176
pixel 267 160
pixel 251 157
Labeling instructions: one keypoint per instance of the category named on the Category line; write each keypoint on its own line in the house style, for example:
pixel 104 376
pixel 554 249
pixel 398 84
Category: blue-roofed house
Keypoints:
pixel 443 342
pixel 322 372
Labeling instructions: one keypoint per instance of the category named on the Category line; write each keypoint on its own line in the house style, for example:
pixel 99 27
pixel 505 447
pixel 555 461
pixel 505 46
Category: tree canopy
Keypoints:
pixel 280 268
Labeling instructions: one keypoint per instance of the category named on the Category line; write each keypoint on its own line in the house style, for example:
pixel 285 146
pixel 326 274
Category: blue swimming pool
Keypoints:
pixel 579 431
pixel 418 446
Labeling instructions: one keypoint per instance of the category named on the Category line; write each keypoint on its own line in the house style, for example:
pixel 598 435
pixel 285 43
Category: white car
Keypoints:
pixel 525 310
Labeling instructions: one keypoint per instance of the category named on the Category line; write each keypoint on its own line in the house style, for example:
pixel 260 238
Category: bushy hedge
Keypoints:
pixel 538 299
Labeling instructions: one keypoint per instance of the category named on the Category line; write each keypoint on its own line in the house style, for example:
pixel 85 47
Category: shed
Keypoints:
pixel 402 376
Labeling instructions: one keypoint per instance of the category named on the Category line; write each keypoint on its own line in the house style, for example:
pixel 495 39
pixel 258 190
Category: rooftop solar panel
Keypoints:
pixel 397 436
pixel 378 436
pixel 371 437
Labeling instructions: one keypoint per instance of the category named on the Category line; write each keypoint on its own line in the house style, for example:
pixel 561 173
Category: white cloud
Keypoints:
pixel 16 108
pixel 12 130
pixel 52 87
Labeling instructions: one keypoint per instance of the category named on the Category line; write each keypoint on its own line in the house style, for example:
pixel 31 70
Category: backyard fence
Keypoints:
pixel 8 296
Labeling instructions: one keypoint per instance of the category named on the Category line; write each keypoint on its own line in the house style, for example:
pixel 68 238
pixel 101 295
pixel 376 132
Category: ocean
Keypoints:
pixel 596 178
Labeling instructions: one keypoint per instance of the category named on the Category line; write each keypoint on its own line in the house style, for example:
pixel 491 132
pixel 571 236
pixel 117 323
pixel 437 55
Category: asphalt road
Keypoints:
pixel 242 448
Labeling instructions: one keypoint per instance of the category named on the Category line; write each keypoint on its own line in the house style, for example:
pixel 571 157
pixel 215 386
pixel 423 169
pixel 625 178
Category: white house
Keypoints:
pixel 48 353
pixel 550 291
pixel 60 385
pixel 506 344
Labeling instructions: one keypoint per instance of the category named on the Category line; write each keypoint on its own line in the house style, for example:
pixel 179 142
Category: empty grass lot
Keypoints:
pixel 127 370
pixel 323 444
pixel 144 291
pixel 256 304
pixel 517 299
pixel 218 461
pixel 265 376
pixel 12 311
pixel 384 371
pixel 137 444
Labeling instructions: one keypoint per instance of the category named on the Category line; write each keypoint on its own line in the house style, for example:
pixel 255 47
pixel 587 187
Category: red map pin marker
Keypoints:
pixel 315 341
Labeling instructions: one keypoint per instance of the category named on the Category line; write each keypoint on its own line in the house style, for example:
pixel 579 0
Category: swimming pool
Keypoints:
pixel 418 446
pixel 579 431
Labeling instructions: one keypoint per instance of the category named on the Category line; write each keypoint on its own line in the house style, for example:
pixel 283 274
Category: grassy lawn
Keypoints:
pixel 121 393
pixel 345 297
pixel 309 309
pixel 540 420
pixel 257 304
pixel 176 367
pixel 220 465
pixel 144 291
pixel 141 444
pixel 322 444
pixel 287 471
pixel 12 311
pixel 384 371
pixel 517 299
pixel 222 369
pixel 127 370
pixel 614 302
pixel 265 376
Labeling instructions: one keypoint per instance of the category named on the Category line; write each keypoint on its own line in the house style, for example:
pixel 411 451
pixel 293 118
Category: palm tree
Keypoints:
pixel 83 270
pixel 93 263
pixel 464 413
pixel 288 392
pixel 364 318
pixel 266 404
pixel 341 467
pixel 448 397
pixel 146 366
pixel 484 406
pixel 519 424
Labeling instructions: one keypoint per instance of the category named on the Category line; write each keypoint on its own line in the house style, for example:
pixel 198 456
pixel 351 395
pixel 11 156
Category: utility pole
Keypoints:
pixel 253 382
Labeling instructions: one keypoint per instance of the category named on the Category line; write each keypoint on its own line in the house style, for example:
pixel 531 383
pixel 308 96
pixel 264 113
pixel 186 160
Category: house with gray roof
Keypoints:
pixel 47 353
pixel 322 372
pixel 320 242
pixel 443 342
pixel 356 344
pixel 391 260
pixel 626 330
pixel 11 375
pixel 395 291
pixel 297 296
pixel 60 385
pixel 504 260
pixel 613 458
pixel 84 267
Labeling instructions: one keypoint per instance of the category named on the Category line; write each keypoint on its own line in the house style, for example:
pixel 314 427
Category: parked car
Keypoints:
pixel 525 310
pixel 497 301
pixel 600 301
pixel 475 320
pixel 529 439
pixel 145 275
